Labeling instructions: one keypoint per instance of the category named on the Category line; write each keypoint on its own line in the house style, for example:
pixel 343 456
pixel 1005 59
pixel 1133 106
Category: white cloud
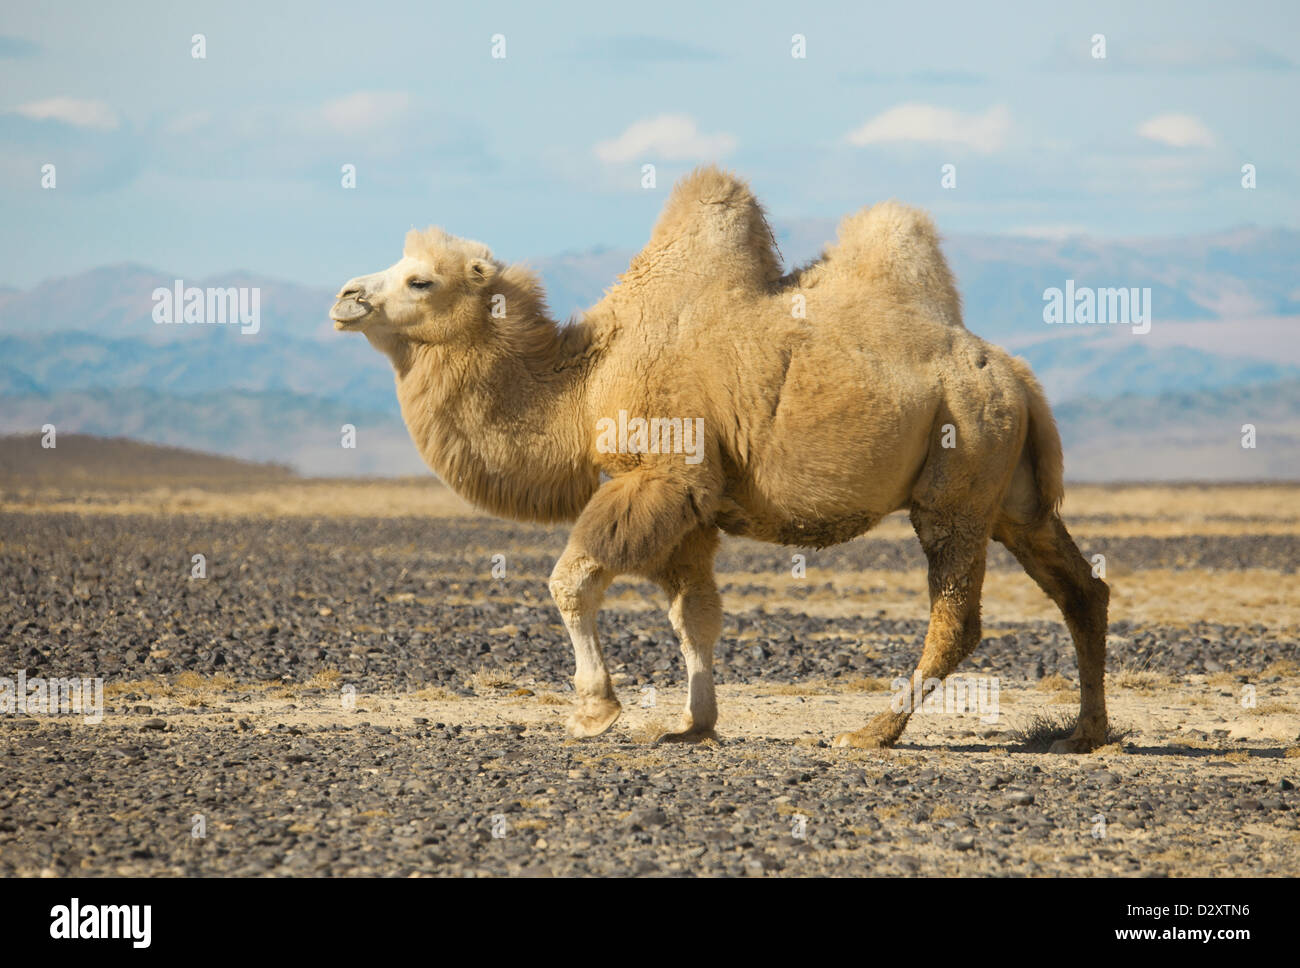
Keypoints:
pixel 81 113
pixel 189 123
pixel 364 110
pixel 985 132
pixel 1050 232
pixel 669 137
pixel 1178 130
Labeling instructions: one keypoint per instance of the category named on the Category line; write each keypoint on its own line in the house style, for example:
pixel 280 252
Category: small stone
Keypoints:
pixel 644 819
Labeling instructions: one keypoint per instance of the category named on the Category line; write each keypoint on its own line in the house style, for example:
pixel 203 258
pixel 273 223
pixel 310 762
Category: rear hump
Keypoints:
pixel 894 246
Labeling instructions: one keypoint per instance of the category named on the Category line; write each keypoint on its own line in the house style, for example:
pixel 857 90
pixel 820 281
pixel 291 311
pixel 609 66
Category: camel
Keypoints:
pixel 706 393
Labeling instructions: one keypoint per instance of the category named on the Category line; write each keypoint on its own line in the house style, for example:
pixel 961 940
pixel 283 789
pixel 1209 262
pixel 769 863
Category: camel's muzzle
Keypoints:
pixel 348 312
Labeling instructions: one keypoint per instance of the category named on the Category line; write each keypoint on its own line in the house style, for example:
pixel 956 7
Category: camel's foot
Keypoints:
pixel 691 734
pixel 593 717
pixel 864 739
pixel 1079 743
pixel 881 732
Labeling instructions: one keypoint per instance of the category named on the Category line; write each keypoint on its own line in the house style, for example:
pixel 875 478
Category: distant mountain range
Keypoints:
pixel 84 353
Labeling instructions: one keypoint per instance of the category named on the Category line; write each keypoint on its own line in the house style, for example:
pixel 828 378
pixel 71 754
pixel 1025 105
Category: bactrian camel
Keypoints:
pixel 828 398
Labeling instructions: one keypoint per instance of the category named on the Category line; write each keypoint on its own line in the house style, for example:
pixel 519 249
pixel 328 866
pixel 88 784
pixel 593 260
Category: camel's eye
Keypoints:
pixel 419 285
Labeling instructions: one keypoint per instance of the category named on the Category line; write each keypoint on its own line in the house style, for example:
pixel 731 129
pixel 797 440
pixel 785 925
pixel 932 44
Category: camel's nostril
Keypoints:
pixel 352 292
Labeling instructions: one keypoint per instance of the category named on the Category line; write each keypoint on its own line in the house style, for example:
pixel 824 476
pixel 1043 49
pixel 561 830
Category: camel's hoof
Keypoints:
pixel 595 716
pixel 691 735
pixel 863 739
pixel 1075 744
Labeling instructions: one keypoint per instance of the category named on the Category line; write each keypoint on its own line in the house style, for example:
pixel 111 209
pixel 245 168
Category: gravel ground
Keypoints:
pixel 395 605
pixel 372 800
pixel 372 598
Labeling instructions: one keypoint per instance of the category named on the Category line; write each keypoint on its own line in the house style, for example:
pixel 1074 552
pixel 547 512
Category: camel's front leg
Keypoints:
pixel 631 525
pixel 695 610
pixel 578 584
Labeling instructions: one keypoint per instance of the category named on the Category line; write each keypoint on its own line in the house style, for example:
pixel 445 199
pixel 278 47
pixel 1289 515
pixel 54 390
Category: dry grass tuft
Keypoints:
pixel 188 688
pixel 1055 683
pixel 798 689
pixel 1038 735
pixel 790 810
pixel 488 680
pixel 1282 667
pixel 1273 708
pixel 649 731
pixel 325 679
pixel 1141 679
pixel 865 684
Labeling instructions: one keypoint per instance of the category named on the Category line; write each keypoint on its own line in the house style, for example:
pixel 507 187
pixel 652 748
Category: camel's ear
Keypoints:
pixel 480 271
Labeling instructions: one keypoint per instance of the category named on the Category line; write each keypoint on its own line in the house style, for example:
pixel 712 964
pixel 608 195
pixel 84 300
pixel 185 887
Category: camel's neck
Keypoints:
pixel 502 423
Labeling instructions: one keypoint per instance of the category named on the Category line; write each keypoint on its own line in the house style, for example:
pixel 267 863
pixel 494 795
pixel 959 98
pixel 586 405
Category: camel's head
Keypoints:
pixel 430 295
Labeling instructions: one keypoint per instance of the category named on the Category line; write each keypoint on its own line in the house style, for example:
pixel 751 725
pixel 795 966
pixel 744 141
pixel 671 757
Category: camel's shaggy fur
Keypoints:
pixel 828 398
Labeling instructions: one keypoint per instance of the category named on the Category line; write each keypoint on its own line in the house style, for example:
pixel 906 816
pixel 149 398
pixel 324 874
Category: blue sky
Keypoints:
pixel 201 166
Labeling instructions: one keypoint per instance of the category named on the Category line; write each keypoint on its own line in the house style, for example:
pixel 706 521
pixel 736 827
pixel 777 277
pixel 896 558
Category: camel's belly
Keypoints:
pixel 806 532
pixel 829 470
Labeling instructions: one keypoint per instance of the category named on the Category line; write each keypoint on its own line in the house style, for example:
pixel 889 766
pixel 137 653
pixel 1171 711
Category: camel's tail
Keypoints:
pixel 892 245
pixel 1043 444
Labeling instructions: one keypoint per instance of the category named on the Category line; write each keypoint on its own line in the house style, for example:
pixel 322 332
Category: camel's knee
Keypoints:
pixel 577 584
pixel 1086 596
pixel 1098 600
pixel 1088 609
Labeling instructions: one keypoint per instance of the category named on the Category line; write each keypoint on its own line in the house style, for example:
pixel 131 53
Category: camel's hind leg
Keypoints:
pixel 695 609
pixel 955 546
pixel 1052 559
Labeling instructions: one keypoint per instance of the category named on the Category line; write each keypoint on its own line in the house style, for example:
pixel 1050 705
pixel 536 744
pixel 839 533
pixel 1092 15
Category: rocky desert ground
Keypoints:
pixel 369 679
